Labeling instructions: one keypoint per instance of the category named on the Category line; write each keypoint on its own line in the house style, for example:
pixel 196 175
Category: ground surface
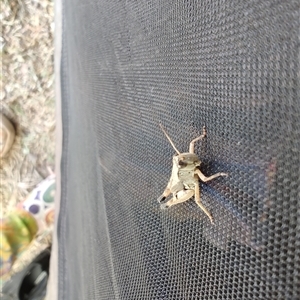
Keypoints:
pixel 27 95
pixel 27 99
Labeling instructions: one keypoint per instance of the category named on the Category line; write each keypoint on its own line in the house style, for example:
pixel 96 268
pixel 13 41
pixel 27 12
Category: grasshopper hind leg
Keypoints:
pixel 180 197
pixel 198 201
pixel 164 195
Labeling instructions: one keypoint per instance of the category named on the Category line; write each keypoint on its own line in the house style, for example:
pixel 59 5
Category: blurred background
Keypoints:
pixel 27 100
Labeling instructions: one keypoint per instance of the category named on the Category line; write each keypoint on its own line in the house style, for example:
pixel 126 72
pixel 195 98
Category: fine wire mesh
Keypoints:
pixel 232 66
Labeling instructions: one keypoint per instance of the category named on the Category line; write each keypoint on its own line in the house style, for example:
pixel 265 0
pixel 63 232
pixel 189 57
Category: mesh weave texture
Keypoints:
pixel 230 65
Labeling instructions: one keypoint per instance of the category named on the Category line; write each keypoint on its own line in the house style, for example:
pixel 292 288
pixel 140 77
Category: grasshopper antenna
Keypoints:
pixel 169 139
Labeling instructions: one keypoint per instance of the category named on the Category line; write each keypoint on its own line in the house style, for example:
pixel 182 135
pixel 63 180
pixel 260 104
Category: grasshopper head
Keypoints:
pixel 186 160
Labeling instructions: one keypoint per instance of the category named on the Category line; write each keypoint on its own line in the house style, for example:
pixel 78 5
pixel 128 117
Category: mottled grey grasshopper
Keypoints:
pixel 184 181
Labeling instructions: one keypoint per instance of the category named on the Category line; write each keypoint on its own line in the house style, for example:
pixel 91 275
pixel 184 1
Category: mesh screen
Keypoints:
pixel 128 66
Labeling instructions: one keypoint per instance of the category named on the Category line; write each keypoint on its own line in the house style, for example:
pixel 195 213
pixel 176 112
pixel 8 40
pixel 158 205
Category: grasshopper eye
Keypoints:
pixel 182 163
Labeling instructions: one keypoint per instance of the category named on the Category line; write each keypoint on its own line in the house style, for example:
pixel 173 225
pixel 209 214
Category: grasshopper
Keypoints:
pixel 184 181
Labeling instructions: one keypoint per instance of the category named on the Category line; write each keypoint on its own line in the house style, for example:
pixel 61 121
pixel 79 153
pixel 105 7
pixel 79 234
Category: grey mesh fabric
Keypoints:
pixel 127 66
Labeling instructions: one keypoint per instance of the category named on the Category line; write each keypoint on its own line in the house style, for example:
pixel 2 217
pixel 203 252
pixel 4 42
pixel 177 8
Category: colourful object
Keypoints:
pixel 35 215
pixel 6 255
pixel 40 203
pixel 17 230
